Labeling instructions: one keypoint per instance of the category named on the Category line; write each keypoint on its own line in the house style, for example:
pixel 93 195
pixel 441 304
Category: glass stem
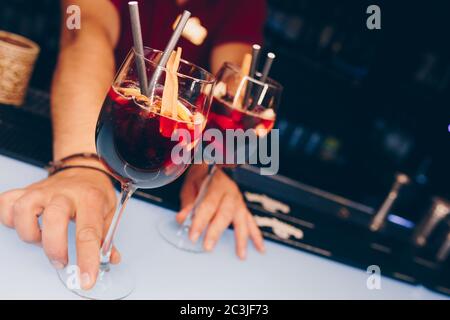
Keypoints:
pixel 105 251
pixel 212 169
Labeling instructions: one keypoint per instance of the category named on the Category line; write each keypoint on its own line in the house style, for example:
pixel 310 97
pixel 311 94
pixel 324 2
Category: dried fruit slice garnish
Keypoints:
pixel 268 114
pixel 170 104
pixel 143 100
pixel 170 94
pixel 183 112
pixel 245 70
pixel 261 131
pixel 199 118
pixel 174 75
pixel 220 90
pixel 129 92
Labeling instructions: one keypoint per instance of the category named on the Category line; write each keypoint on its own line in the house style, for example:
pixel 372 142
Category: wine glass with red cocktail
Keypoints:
pixel 135 138
pixel 242 105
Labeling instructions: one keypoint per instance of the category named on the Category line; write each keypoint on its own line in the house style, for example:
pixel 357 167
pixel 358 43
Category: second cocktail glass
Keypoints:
pixel 241 103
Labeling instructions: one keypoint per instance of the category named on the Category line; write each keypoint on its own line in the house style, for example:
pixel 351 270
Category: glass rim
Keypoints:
pixel 270 82
pixel 181 75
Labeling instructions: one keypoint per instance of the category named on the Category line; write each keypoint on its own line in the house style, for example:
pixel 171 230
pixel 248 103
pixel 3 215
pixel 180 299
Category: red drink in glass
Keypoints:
pixel 134 140
pixel 223 116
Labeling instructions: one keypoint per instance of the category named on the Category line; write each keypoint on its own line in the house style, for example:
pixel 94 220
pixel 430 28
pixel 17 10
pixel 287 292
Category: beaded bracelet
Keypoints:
pixel 83 155
pixel 60 165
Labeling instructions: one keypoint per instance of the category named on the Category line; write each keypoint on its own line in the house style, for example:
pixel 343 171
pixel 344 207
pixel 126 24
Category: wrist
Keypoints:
pixel 86 162
pixel 64 146
pixel 200 168
pixel 64 152
pixel 82 159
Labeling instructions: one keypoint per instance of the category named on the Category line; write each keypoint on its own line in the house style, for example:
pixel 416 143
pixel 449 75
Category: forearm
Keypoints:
pixel 84 72
pixel 229 52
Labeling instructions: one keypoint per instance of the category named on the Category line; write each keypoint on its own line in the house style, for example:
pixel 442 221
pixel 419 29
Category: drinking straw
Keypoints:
pixel 267 66
pixel 256 49
pixel 169 48
pixel 265 74
pixel 138 46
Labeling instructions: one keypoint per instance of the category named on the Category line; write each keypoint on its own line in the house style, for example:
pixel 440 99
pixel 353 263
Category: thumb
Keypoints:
pixel 188 191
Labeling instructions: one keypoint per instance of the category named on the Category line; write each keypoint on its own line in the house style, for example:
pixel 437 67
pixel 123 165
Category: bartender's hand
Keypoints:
pixel 222 206
pixel 84 195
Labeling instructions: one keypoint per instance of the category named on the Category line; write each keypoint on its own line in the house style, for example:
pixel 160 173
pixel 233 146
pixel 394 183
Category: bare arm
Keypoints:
pixel 84 72
pixel 229 52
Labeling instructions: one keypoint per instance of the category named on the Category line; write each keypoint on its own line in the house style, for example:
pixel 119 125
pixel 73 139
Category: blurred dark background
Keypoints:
pixel 359 105
pixel 40 22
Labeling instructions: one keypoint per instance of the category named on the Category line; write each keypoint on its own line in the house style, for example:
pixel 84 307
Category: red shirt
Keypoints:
pixel 225 20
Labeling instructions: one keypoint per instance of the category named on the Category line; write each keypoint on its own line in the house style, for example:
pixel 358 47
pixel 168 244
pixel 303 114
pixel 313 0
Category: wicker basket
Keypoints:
pixel 17 58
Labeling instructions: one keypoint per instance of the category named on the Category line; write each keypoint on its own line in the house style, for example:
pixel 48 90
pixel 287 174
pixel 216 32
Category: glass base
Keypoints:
pixel 113 284
pixel 178 236
pixel 116 283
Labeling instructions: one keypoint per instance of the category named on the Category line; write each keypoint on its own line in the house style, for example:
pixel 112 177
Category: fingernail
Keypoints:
pixel 194 237
pixel 262 248
pixel 85 280
pixel 243 255
pixel 209 245
pixel 118 257
pixel 57 264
